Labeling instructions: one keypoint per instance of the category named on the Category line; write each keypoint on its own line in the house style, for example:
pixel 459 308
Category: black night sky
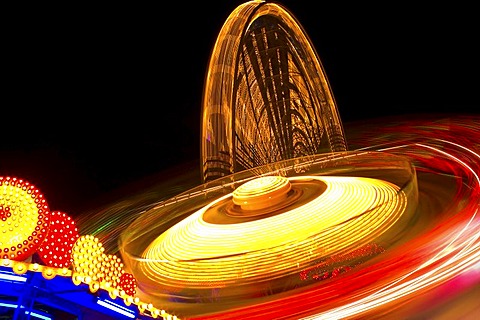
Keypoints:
pixel 96 98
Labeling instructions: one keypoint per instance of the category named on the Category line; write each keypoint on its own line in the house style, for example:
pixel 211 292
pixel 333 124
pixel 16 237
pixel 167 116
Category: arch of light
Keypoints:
pixel 266 95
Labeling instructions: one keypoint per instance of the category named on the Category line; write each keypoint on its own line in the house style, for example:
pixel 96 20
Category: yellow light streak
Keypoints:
pixel 351 211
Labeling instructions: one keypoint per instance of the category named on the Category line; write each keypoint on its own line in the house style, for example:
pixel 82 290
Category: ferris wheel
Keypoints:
pixel 266 95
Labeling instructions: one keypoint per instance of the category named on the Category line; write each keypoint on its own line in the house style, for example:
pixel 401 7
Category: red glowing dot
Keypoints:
pixel 128 283
pixel 57 248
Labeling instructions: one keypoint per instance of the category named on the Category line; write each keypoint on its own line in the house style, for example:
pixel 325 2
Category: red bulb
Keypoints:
pixel 57 248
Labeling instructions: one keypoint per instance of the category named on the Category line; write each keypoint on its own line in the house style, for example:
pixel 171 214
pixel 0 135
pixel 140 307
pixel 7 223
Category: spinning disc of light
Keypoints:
pixel 330 214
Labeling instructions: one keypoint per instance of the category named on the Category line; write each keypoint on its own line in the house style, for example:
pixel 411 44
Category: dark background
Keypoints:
pixel 97 98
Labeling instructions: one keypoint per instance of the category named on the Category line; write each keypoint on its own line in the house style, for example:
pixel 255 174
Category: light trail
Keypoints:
pixel 351 211
pixel 431 262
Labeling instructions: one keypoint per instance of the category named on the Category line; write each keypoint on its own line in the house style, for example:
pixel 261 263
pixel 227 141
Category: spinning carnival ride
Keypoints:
pixel 291 224
pixel 288 222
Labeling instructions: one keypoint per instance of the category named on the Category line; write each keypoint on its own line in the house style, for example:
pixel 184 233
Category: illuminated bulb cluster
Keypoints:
pixel 21 267
pixel 128 283
pixel 24 218
pixel 27 227
pixel 56 249
pixel 91 264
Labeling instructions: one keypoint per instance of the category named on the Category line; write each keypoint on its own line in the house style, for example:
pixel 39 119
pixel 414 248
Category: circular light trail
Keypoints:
pixel 428 258
pixel 330 242
pixel 328 215
pixel 262 193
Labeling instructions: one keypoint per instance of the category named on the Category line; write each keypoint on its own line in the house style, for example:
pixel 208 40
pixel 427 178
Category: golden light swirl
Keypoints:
pixel 346 212
pixel 261 193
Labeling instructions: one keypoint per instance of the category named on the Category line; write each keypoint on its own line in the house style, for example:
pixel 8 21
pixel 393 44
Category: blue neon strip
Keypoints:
pixel 37 315
pixel 12 277
pixel 8 305
pixel 115 307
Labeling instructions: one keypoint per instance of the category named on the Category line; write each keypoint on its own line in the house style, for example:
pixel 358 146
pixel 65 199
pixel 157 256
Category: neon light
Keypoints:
pixel 117 308
pixel 33 314
pixel 37 315
pixel 12 277
pixel 8 305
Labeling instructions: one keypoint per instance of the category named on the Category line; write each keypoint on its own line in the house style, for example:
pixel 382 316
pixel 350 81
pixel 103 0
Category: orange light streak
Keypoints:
pixel 351 211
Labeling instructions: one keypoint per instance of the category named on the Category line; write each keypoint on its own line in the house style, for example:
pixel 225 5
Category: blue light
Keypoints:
pixel 11 276
pixel 8 305
pixel 116 307
pixel 37 315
